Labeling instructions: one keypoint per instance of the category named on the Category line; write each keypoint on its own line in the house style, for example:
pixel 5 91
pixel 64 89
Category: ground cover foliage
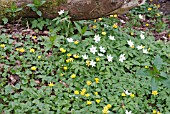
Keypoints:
pixel 108 65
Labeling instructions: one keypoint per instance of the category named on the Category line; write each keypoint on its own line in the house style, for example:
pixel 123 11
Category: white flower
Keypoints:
pixel 128 112
pixel 109 58
pixel 142 36
pixel 122 21
pixel 122 57
pixel 102 49
pixel 139 47
pixel 92 63
pixel 100 54
pixel 145 51
pixel 70 39
pixel 97 38
pixel 111 37
pixel 130 43
pixel 61 12
pixel 127 92
pixel 85 56
pixel 141 16
pixel 93 49
pixel 164 37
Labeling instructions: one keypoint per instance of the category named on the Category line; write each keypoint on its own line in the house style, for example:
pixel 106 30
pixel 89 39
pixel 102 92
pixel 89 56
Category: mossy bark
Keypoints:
pixel 78 9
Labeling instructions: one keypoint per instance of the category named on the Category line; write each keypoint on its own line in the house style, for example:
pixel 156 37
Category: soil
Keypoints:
pixel 164 5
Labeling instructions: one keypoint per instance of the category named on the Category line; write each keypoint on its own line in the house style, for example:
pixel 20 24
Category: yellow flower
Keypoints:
pixel 146 67
pixel 61 74
pixel 67 60
pixel 32 50
pixel 2 45
pixel 94 26
pixel 96 93
pixel 97 59
pixel 149 9
pixel 143 47
pixel 95 20
pixel 33 68
pixel 88 63
pixel 17 49
pixel 65 68
pixel 76 92
pixel 100 19
pixel 97 80
pixel 22 50
pixel 150 0
pixel 51 84
pixel 115 15
pixel 89 102
pixel 154 92
pixel 98 100
pixel 105 110
pixel 123 106
pixel 158 112
pixel 132 46
pixel 71 59
pixel 154 111
pixel 149 49
pixel 83 90
pixel 34 37
pixel 88 83
pixel 62 50
pixel 76 42
pixel 2 57
pixel 69 54
pixel 109 105
pixel 73 76
pixel 147 24
pixel 104 33
pixel 132 95
pixel 39 57
pixel 111 15
pixel 132 33
pixel 87 95
pixel 115 26
pixel 158 6
pixel 82 93
pixel 75 56
pixel 158 14
pixel 123 94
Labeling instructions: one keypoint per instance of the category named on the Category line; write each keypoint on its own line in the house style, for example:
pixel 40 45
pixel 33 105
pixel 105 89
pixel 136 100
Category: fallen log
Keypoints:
pixel 78 9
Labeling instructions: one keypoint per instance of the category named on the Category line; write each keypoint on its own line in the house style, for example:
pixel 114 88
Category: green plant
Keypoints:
pixel 36 4
pixel 13 9
pixel 155 73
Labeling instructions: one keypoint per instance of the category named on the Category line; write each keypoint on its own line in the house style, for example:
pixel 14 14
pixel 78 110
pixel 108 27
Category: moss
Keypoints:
pixel 4 5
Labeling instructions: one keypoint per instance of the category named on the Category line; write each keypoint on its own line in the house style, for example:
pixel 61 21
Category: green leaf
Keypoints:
pixel 158 62
pixel 39 13
pixel 142 72
pixel 154 83
pixel 166 83
pixel 5 20
pixel 88 33
pixel 78 27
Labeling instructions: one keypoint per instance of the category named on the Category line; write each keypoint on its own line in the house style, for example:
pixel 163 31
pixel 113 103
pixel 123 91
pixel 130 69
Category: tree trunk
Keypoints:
pixel 78 9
